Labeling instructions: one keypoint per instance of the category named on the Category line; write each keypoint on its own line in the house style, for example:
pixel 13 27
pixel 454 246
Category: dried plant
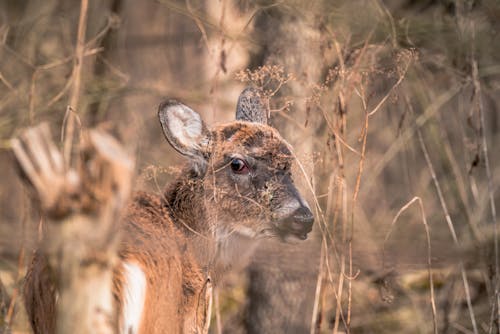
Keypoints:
pixel 393 105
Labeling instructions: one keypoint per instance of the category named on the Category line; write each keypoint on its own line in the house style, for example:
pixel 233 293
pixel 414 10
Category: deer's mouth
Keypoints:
pixel 294 229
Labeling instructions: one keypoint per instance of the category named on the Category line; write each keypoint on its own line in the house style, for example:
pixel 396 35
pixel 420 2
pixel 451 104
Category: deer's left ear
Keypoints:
pixel 184 129
pixel 251 106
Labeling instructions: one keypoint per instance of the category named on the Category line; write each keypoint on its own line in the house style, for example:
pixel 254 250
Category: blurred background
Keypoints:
pixel 391 106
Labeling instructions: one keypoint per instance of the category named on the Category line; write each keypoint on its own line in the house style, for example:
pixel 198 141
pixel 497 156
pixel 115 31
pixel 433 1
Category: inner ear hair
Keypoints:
pixel 183 128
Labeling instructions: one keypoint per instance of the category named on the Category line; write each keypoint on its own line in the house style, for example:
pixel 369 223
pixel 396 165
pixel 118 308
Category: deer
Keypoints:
pixel 237 182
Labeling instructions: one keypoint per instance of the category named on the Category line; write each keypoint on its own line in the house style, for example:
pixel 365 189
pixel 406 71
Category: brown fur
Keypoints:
pixel 158 232
pixel 152 241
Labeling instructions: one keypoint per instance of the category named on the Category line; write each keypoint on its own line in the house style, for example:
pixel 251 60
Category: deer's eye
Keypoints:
pixel 239 166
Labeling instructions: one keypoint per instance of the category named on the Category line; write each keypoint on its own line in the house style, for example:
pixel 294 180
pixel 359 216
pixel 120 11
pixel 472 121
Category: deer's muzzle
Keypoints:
pixel 296 217
pixel 300 223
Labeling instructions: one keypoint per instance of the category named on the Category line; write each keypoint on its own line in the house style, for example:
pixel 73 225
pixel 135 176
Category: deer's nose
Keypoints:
pixel 303 219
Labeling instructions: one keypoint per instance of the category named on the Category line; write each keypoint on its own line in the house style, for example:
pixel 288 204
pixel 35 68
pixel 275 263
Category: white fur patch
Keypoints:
pixel 245 231
pixel 185 125
pixel 235 247
pixel 134 292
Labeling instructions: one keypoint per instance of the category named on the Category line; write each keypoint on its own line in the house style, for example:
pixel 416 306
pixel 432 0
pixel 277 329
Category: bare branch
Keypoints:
pixel 82 206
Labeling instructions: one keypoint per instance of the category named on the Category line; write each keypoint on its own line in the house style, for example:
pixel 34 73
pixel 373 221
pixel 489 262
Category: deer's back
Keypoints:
pixel 164 275
pixel 175 284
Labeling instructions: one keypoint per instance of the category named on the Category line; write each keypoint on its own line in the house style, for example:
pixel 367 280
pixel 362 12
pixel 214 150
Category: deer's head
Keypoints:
pixel 245 167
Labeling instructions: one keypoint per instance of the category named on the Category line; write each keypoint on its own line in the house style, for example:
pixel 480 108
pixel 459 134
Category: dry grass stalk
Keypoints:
pixel 79 55
pixel 15 294
pixel 76 77
pixel 218 322
pixel 82 207
pixel 4 302
pixel 398 145
pixel 317 311
pixel 484 144
pixel 429 252
pixel 450 227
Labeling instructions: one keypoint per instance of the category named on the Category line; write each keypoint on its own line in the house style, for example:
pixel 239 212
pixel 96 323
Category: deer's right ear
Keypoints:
pixel 184 129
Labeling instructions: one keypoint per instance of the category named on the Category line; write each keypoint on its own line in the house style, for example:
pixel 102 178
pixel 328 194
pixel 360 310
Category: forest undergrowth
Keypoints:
pixel 391 107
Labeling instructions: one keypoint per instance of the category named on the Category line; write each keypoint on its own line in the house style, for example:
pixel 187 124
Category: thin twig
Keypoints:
pixel 477 92
pixel 199 24
pixel 218 321
pixel 342 256
pixel 59 62
pixel 316 319
pixel 323 265
pixel 429 251
pixel 77 78
pixel 79 55
pixel 353 206
pixel 20 266
pixel 450 227
pixel 6 82
pixel 400 80
pixel 395 147
pixel 31 107
pixel 336 134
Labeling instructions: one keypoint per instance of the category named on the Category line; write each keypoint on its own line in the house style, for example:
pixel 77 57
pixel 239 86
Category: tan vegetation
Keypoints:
pixel 391 106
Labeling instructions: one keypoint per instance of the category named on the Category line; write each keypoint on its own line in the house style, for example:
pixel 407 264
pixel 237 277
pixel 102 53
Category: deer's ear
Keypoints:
pixel 184 129
pixel 251 106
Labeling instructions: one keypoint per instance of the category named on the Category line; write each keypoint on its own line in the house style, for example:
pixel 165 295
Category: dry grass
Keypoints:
pixel 388 104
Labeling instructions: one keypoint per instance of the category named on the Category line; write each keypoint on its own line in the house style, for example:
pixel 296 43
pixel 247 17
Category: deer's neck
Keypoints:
pixel 213 246
pixel 184 200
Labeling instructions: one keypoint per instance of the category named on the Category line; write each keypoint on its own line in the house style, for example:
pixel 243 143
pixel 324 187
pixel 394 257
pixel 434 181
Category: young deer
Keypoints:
pixel 238 182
